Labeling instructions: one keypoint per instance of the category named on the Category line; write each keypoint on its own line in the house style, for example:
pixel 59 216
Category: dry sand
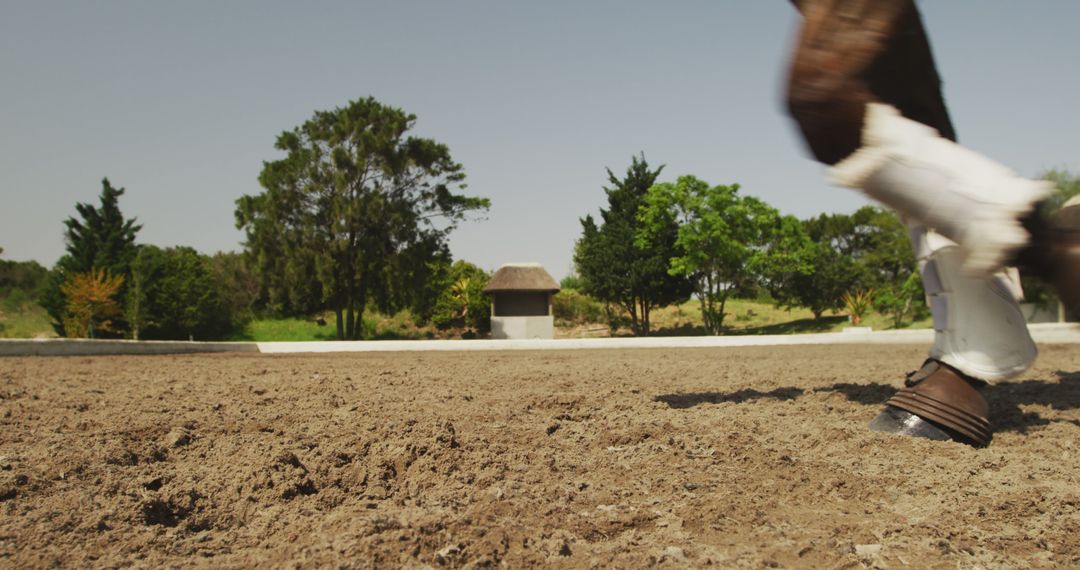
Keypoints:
pixel 748 457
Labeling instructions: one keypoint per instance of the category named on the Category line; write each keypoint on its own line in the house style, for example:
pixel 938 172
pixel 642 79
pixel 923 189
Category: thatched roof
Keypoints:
pixel 521 277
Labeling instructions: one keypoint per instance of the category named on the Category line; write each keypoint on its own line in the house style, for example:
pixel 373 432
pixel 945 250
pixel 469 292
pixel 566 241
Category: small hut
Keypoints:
pixel 521 301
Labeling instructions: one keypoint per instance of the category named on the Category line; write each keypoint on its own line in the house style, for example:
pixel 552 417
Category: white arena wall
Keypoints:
pixel 1055 333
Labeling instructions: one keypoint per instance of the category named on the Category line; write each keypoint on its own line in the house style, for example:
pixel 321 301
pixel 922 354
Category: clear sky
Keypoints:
pixel 180 102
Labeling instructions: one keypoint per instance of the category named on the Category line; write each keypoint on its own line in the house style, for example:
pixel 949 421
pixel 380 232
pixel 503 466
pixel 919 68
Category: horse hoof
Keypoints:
pixel 902 422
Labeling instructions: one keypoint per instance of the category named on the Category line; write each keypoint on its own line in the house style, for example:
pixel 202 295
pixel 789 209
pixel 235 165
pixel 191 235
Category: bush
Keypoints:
pixel 399 326
pixel 463 304
pixel 174 295
pixel 15 300
pixel 571 307
pixel 571 282
pixel 26 276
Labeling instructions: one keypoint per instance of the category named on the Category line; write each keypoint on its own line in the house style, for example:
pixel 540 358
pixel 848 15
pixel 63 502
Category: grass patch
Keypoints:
pixel 376 326
pixel 290 330
pixel 24 319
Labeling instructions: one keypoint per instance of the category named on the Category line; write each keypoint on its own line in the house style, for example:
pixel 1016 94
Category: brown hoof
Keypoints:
pixel 942 396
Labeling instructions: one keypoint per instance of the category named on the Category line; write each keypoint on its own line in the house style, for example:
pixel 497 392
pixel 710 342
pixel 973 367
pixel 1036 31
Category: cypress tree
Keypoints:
pixel 99 239
pixel 617 270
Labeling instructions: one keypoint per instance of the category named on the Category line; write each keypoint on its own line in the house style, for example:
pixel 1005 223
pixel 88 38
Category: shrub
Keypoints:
pixel 572 307
pixel 858 303
pixel 464 304
pixel 571 282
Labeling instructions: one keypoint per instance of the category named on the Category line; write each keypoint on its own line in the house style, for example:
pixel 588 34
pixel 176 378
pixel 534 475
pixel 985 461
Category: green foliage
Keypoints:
pixel 572 282
pixel 376 326
pixel 749 317
pixel 415 280
pixel 237 286
pixel 800 272
pixel 288 284
pixel 22 283
pixel 173 295
pixel 840 252
pixel 463 303
pixel 901 301
pixel 289 329
pixel 101 240
pixel 401 325
pixel 874 239
pixel 15 300
pixel 572 307
pixel 26 277
pixel 24 319
pixel 1067 185
pixel 621 265
pixel 858 303
pixel 721 240
pixel 349 214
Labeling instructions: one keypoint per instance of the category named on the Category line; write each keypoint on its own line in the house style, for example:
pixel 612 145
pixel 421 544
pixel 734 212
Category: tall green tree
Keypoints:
pixel 722 238
pixel 415 278
pixel 875 240
pixel 619 269
pixel 288 282
pixel 352 195
pixel 800 272
pixel 869 249
pixel 100 238
pixel 237 286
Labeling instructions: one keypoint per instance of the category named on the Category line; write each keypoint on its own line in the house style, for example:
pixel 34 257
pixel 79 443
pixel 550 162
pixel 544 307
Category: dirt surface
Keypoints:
pixel 748 457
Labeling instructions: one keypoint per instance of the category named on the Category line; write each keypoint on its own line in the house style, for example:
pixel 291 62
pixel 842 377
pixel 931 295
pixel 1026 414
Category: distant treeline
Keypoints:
pixel 356 215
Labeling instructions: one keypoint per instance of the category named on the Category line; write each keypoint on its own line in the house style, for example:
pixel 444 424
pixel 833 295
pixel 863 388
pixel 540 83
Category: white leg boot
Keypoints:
pixel 979 334
pixel 958 193
pixel 978 326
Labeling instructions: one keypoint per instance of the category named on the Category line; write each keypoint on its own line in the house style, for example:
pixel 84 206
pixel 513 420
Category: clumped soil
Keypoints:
pixel 748 457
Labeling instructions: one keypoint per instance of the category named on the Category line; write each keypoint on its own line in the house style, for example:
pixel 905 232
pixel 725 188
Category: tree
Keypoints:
pixel 101 240
pixel 174 295
pixel 801 272
pixel 873 246
pixel 616 267
pixel 882 247
pixel 415 278
pixel 352 198
pixel 900 301
pixel 237 286
pixel 722 238
pixel 91 302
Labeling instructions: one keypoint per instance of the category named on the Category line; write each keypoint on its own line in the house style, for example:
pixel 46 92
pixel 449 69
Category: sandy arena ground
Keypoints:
pixel 747 457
